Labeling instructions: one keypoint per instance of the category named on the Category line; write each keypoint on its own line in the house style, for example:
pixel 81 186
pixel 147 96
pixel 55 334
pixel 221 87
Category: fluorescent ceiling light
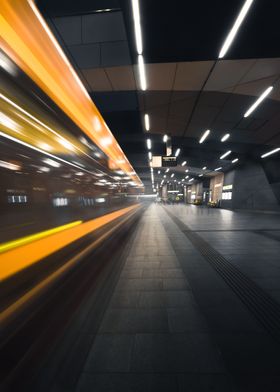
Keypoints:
pixel 142 73
pixel 187 170
pixel 172 175
pixel 204 168
pixel 158 172
pixel 187 177
pixel 218 168
pixel 225 137
pixel 235 28
pixel 164 176
pixel 165 137
pixel 200 175
pixel 184 163
pixel 177 152
pixel 150 155
pixel 204 136
pixel 225 154
pixel 137 26
pixel 258 101
pixel 167 170
pixel 147 122
pixel 270 152
pixel 149 144
pixel 191 179
pixel 234 160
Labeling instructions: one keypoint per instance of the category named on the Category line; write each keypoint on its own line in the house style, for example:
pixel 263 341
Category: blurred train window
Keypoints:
pixel 17 199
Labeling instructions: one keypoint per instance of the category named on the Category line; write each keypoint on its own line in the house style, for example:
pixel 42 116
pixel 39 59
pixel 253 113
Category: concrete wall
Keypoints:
pixel 251 189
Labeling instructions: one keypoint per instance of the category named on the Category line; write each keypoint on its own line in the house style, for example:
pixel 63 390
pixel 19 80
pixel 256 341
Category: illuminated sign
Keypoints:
pixel 227 187
pixel 163 161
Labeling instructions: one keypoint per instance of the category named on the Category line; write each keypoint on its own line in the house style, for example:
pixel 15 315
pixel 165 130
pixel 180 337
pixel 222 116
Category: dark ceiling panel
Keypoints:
pixel 103 27
pixel 70 7
pixel 70 28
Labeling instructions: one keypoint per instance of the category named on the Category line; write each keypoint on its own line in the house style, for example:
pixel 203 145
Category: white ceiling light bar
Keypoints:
pixel 147 122
pixel 204 168
pixel 165 138
pixel 270 152
pixel 200 175
pixel 235 28
pixel 137 26
pixel 204 136
pixel 142 73
pixel 225 154
pixel 150 155
pixel 234 160
pixel 191 179
pixel 184 163
pixel 149 144
pixel 218 168
pixel 177 152
pixel 172 175
pixel 258 101
pixel 225 137
pixel 167 170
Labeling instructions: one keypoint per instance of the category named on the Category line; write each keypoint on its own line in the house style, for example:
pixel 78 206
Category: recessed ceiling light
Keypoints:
pixel 177 152
pixel 270 152
pixel 165 138
pixel 191 179
pixel 225 154
pixel 187 177
pixel 225 137
pixel 204 136
pixel 167 170
pixel 172 175
pixel 200 175
pixel 147 122
pixel 184 163
pixel 137 26
pixel 149 144
pixel 258 101
pixel 235 28
pixel 186 171
pixel 150 155
pixel 142 73
pixel 204 168
pixel 234 160
pixel 218 168
pixel 158 172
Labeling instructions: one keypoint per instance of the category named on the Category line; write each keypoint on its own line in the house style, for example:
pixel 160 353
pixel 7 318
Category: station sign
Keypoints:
pixel 168 161
pixel 163 161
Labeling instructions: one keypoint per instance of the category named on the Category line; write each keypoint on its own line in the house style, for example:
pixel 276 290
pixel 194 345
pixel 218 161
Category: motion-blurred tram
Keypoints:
pixel 51 172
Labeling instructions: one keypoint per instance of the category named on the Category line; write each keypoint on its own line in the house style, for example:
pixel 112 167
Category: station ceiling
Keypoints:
pixel 188 89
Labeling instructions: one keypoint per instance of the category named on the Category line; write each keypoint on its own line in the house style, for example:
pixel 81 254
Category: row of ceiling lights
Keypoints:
pixel 228 41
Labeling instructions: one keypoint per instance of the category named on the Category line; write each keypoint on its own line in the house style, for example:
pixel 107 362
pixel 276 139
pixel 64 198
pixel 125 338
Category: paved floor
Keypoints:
pixel 173 323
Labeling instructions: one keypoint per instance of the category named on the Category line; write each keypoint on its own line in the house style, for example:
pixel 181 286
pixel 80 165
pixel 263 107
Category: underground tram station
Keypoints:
pixel 139 196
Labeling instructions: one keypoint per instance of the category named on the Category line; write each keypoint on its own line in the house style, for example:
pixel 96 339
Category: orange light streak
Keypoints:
pixel 28 41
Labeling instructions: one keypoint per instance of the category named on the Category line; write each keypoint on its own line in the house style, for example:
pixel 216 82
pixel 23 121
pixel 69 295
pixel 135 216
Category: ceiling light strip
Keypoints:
pixel 235 28
pixel 258 101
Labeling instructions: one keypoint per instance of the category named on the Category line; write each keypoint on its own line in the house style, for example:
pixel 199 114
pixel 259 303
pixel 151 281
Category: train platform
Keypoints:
pixel 194 306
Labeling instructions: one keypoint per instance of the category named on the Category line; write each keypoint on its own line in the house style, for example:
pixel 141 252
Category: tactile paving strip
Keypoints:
pixel 260 304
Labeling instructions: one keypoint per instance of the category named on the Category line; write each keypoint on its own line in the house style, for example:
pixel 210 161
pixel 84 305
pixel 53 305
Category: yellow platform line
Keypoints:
pixel 23 256
pixel 33 237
